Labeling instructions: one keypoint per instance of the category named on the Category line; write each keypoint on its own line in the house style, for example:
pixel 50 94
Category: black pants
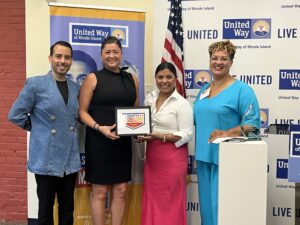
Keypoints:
pixel 63 188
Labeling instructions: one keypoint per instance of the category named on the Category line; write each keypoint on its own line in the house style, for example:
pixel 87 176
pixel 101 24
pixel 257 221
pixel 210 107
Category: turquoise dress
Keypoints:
pixel 235 105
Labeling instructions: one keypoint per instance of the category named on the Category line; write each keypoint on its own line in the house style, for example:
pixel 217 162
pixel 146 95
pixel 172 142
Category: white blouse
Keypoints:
pixel 174 116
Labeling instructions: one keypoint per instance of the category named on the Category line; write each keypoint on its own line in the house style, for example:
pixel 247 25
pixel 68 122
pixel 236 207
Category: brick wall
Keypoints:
pixel 13 177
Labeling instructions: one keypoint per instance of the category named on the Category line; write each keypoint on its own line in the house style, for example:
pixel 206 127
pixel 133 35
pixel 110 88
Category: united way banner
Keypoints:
pixel 267 37
pixel 85 29
pixel 294 159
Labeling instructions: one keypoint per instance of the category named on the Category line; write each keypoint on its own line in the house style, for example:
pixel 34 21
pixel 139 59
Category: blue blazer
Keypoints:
pixel 53 146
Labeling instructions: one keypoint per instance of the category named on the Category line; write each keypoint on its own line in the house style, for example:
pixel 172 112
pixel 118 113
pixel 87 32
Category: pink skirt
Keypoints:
pixel 164 194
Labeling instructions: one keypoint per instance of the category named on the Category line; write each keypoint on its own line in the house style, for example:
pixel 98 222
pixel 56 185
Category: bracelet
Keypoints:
pixel 95 126
pixel 243 131
pixel 164 138
pixel 98 129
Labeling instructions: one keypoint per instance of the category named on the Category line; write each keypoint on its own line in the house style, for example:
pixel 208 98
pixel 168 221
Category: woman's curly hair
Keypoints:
pixel 226 46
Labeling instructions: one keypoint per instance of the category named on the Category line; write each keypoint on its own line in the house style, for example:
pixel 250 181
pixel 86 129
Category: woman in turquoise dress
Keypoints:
pixel 225 107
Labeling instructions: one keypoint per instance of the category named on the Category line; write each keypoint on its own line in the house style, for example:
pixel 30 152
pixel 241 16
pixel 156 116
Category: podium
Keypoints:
pixel 243 183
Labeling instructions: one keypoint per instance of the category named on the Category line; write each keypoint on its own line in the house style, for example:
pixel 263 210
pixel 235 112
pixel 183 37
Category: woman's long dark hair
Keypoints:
pixel 166 65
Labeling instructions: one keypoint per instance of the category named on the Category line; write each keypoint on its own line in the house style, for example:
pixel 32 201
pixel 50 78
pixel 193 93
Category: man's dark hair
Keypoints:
pixel 62 43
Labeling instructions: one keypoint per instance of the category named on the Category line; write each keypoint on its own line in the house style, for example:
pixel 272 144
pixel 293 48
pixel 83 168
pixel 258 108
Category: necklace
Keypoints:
pixel 214 87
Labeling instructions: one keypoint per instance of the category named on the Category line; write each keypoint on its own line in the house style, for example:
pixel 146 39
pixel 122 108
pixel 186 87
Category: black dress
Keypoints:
pixel 108 161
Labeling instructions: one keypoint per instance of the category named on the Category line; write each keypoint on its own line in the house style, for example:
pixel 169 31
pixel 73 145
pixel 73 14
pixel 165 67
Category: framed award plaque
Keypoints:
pixel 132 121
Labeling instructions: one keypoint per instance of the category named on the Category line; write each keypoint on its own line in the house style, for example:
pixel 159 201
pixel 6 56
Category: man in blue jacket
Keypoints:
pixel 48 108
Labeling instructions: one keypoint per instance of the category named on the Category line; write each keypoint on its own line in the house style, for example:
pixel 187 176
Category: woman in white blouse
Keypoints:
pixel 164 194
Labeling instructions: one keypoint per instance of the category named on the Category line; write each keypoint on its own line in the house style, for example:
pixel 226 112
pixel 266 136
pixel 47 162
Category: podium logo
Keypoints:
pixel 246 28
pixel 289 79
pixel 295 144
pixel 282 169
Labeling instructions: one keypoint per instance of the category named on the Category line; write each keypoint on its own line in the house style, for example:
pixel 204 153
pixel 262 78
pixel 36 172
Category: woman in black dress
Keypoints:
pixel 108 156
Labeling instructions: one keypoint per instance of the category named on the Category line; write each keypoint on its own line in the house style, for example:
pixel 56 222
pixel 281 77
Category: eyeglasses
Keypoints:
pixel 221 59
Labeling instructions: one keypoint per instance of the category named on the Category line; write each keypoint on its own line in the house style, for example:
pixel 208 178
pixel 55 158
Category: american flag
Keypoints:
pixel 173 47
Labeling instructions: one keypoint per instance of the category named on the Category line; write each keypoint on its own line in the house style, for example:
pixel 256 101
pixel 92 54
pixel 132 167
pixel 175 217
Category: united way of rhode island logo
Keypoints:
pixel 247 28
